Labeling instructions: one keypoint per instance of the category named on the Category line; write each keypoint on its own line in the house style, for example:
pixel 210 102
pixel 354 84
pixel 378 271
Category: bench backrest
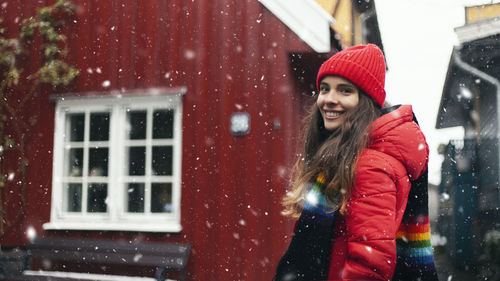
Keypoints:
pixel 168 255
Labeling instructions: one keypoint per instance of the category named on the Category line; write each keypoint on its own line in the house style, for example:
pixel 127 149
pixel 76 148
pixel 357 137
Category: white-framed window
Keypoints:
pixel 117 163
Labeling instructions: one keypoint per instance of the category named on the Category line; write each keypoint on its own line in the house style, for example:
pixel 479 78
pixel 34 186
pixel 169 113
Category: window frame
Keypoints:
pixel 117 218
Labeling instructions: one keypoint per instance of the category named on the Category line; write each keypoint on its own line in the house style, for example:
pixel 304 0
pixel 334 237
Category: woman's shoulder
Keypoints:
pixel 375 160
pixel 377 173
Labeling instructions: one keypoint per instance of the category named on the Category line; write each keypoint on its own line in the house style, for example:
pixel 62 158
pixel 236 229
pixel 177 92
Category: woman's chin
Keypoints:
pixel 331 125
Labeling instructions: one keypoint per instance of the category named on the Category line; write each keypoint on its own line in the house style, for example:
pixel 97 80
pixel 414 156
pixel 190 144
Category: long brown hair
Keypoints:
pixel 334 154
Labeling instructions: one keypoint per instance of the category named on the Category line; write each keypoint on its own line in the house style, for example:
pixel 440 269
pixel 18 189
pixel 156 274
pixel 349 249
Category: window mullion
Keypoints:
pixel 149 136
pixel 115 193
pixel 177 164
pixel 59 152
pixel 85 170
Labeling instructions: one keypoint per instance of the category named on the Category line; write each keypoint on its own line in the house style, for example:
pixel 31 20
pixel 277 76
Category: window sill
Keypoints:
pixel 115 226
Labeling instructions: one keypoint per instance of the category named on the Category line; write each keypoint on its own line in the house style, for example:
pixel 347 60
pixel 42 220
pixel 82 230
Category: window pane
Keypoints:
pixel 137 124
pixel 161 197
pixel 162 160
pixel 98 162
pixel 75 161
pixel 76 126
pixel 97 195
pixel 136 161
pixel 99 126
pixel 74 197
pixel 163 124
pixel 135 197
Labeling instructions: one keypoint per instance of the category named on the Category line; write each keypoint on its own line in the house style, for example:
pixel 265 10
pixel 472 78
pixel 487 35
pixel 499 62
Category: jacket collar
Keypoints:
pixel 397 134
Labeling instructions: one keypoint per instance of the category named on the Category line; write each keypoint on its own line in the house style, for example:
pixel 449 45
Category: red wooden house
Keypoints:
pixel 181 126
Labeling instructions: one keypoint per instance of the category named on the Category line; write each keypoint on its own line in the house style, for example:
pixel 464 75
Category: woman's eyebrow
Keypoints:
pixel 346 85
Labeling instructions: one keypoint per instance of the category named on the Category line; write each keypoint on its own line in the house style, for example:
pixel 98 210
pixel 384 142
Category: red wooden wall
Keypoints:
pixel 232 56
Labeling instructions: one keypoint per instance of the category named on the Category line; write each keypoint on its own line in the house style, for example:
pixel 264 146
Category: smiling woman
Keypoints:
pixel 352 183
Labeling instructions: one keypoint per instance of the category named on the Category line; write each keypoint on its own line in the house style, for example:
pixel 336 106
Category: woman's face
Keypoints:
pixel 337 96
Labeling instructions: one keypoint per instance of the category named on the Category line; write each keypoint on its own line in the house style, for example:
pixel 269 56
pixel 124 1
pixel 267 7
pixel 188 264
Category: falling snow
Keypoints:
pixel 189 54
pixel 31 233
pixel 137 257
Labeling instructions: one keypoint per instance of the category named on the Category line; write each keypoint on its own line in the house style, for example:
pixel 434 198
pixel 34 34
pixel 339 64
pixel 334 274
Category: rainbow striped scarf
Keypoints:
pixel 316 202
pixel 413 240
pixel 415 256
pixel 308 255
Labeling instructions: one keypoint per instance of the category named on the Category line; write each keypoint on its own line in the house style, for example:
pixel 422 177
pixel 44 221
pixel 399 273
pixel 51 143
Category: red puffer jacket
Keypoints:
pixel 364 246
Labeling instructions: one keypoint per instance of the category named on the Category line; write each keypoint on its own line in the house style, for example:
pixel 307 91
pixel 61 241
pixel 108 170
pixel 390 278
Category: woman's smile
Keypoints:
pixel 332 114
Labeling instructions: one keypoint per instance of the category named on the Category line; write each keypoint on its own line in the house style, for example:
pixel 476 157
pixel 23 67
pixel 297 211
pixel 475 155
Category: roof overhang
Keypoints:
pixel 306 19
pixel 478 30
pixel 462 84
pixel 468 64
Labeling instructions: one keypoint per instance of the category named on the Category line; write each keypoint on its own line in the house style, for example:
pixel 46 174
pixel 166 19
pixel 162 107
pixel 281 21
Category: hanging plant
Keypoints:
pixel 53 71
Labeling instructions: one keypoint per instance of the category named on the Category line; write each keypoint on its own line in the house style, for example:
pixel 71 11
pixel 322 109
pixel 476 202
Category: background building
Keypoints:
pixel 470 171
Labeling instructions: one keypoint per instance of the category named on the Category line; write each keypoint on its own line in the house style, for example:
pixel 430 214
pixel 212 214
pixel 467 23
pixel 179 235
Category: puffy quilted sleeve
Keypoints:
pixel 371 217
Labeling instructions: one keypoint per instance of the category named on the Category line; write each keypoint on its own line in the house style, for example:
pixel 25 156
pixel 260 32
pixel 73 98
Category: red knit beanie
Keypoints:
pixel 363 65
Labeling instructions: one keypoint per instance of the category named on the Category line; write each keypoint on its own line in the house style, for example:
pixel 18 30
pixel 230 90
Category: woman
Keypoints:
pixel 358 219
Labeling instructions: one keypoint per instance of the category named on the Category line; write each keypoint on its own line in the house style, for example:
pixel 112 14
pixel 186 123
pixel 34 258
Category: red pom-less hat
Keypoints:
pixel 363 65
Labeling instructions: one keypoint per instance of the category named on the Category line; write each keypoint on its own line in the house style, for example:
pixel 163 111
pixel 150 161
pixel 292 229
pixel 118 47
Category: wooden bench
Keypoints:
pixel 164 256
